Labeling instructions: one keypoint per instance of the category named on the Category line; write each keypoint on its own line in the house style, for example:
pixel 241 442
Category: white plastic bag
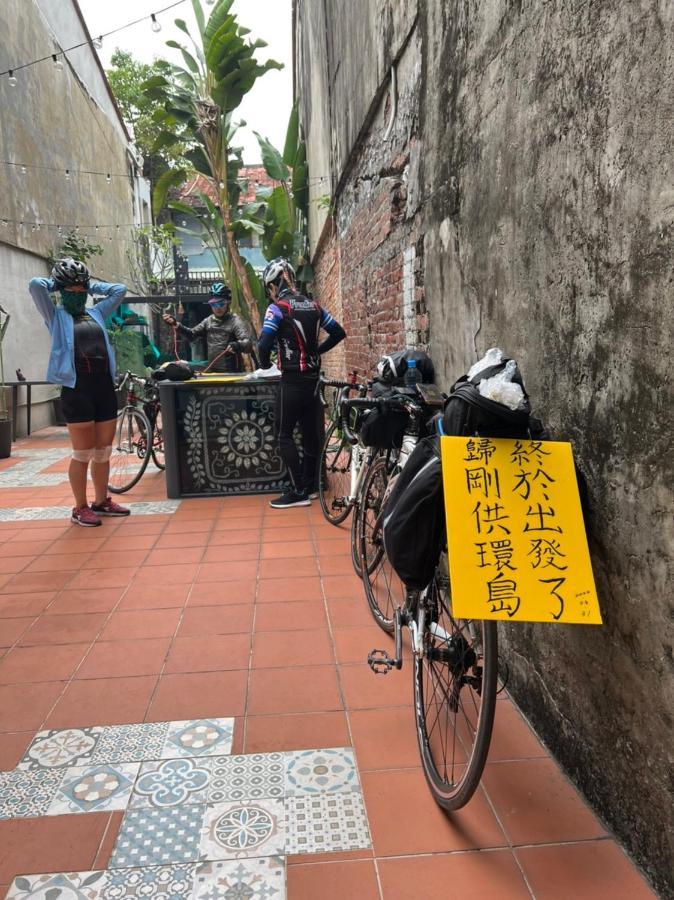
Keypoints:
pixel 491 358
pixel 500 388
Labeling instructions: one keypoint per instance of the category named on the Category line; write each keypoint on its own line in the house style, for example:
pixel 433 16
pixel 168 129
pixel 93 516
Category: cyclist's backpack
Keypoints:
pixel 414 514
pixel 391 369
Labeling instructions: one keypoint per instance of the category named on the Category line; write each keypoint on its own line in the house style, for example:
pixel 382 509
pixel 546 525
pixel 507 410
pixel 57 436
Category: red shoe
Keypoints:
pixel 110 508
pixel 85 516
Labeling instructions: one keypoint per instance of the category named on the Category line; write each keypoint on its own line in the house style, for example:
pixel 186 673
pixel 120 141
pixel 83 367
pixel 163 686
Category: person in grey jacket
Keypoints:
pixel 82 361
pixel 227 336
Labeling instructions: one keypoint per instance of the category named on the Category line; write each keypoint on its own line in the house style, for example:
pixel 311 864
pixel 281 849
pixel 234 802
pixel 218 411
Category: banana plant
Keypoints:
pixel 198 99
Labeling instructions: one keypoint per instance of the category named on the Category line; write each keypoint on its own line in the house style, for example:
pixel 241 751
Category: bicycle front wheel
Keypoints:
pixel 455 685
pixel 384 591
pixel 334 482
pixel 130 450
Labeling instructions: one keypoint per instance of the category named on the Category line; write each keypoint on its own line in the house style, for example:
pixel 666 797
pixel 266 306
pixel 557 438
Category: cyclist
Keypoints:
pixel 292 323
pixel 227 336
pixel 82 361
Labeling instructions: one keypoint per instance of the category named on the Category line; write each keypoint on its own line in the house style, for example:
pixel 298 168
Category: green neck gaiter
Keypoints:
pixel 74 302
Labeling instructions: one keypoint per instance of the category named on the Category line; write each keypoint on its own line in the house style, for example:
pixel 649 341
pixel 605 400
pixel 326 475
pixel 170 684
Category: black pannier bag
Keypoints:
pixel 391 369
pixel 383 428
pixel 414 515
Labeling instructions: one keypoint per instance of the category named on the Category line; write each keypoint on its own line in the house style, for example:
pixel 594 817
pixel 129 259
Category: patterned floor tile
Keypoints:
pixel 320 771
pixel 246 879
pixel 34 513
pixel 326 823
pixel 73 885
pixel 252 777
pixel 93 789
pixel 61 748
pixel 159 836
pixel 130 743
pixel 171 782
pixel 244 828
pixel 27 793
pixel 150 883
pixel 200 737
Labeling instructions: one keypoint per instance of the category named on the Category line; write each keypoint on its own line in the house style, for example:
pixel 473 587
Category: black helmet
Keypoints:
pixel 70 271
pixel 275 269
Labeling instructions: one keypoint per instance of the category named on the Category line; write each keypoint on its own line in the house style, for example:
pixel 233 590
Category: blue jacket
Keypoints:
pixel 61 368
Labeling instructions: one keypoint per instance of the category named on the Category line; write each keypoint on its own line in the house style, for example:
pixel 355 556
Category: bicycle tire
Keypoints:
pixel 158 457
pixel 452 717
pixel 383 589
pixel 131 442
pixel 356 522
pixel 334 478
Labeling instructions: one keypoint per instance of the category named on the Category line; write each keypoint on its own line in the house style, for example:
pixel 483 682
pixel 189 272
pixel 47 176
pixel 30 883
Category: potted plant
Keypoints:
pixel 5 420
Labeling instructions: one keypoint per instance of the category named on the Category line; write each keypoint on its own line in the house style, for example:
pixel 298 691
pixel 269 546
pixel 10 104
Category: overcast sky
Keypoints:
pixel 267 106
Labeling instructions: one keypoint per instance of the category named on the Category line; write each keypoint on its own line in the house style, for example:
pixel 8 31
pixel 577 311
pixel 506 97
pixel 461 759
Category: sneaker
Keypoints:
pixel 290 498
pixel 85 517
pixel 313 495
pixel 110 508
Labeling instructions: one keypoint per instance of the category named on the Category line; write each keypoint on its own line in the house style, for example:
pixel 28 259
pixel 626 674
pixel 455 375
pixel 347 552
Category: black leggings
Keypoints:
pixel 297 403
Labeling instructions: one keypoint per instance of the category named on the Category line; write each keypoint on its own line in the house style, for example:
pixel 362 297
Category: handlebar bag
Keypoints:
pixel 384 429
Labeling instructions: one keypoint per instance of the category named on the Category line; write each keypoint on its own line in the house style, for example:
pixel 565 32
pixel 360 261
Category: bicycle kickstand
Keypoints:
pixel 379 660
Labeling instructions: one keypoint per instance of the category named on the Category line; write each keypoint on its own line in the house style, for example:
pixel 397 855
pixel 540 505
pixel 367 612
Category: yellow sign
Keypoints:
pixel 515 534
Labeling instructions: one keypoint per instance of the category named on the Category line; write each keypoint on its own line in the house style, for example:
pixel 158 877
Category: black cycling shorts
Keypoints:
pixel 93 399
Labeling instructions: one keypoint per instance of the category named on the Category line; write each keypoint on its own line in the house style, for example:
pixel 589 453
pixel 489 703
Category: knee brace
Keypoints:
pixel 83 455
pixel 102 454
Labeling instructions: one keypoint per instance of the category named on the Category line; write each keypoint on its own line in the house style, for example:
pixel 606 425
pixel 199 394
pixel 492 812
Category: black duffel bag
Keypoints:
pixel 391 368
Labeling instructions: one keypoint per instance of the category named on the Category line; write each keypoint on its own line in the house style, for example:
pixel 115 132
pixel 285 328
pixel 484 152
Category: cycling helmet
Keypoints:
pixel 220 290
pixel 70 271
pixel 275 269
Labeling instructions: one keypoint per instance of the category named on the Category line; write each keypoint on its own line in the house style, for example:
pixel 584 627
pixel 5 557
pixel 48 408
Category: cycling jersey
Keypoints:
pixel 221 333
pixel 91 354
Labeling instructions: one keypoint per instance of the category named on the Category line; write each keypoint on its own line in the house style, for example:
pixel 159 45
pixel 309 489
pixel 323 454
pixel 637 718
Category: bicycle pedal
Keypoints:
pixel 380 662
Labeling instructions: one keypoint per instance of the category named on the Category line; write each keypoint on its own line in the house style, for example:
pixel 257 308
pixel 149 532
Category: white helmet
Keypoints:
pixel 275 269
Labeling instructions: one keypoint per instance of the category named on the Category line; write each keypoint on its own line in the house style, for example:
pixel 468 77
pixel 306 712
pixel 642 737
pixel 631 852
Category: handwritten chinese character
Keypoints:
pixel 538 514
pixel 490 516
pixel 502 596
pixel 495 553
pixel 483 481
pixel 482 449
pixel 546 554
pixel 523 483
pixel 554 592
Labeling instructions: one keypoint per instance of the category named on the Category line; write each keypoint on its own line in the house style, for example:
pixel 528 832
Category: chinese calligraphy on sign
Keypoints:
pixel 515 532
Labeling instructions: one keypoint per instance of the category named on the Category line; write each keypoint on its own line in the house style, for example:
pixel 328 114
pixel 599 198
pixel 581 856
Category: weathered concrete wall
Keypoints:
pixel 539 200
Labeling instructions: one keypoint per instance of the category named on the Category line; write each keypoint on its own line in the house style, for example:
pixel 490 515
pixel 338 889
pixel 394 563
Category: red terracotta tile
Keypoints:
pixel 125 658
pixel 365 690
pixel 293 533
pixel 336 565
pixel 77 542
pixel 200 695
pixel 72 628
pixel 110 701
pixel 24 706
pixel 333 548
pixel 141 623
pixel 287 616
pixel 324 531
pixel 22 548
pixel 103 578
pixel 312 689
pixel 208 654
pixel 243 531
pixel 307 859
pixel 591 869
pixel 64 562
pixel 123 541
pixel 492 875
pixel 108 840
pixel 29 582
pixel 342 587
pixel 512 738
pixel 300 567
pixel 168 557
pixel 30 664
pixel 144 525
pixel 537 804
pixel 204 527
pixel 203 621
pixel 24 605
pixel 348 613
pixel 385 738
pixel 10 565
pixel 227 571
pixel 12 629
pixel 177 574
pixel 233 553
pixel 272 650
pixel 424 827
pixel 50 844
pixel 12 748
pixel 333 881
pixel 222 593
pixel 101 600
pixel 300 731
pixel 160 596
pixel 287 549
pixel 181 540
pixel 272 590
pixel 111 559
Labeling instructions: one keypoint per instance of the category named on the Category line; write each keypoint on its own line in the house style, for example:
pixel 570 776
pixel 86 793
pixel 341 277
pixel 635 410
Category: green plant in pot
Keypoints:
pixel 5 421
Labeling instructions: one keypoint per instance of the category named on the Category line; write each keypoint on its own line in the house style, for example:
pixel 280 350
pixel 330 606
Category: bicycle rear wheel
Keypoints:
pixel 455 686
pixel 130 450
pixel 158 457
pixel 384 591
pixel 334 482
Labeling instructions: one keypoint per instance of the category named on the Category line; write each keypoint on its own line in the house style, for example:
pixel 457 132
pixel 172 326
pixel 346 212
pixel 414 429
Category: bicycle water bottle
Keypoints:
pixel 412 374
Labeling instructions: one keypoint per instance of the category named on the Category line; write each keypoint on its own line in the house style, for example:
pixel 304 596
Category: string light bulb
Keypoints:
pixel 156 25
pixel 98 42
pixel 12 78
pixel 108 178
pixel 67 174
pixel 23 170
pixel 58 64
